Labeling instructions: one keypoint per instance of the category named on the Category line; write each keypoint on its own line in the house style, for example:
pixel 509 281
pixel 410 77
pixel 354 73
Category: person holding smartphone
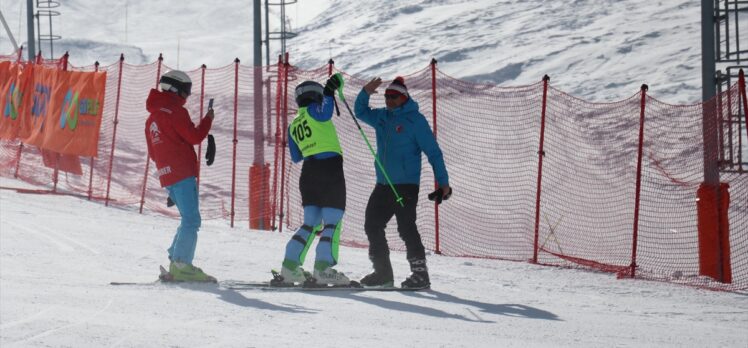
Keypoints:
pixel 171 136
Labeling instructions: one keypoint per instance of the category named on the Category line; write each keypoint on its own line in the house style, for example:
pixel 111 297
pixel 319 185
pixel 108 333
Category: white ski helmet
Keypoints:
pixel 176 81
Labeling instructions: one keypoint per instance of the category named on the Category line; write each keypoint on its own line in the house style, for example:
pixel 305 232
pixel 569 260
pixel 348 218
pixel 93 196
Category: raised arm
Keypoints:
pixel 361 107
pixel 322 112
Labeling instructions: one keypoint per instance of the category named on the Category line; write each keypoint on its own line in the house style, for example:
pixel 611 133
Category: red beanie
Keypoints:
pixel 397 87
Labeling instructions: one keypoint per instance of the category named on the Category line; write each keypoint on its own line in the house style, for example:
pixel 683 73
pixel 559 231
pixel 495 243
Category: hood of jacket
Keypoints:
pixel 159 99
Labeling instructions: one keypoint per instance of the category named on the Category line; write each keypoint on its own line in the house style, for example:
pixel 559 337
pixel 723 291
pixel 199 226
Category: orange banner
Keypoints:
pixel 56 110
pixel 31 127
pixel 7 77
pixel 74 115
pixel 14 95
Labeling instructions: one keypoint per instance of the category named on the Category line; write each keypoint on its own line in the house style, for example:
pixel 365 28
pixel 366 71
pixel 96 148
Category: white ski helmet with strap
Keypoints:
pixel 176 81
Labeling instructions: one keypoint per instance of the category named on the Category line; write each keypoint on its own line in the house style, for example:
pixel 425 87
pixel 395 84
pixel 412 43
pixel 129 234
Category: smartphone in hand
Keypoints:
pixel 210 104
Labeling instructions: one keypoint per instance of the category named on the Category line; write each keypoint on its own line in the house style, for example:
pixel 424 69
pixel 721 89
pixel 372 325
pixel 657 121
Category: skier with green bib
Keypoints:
pixel 313 139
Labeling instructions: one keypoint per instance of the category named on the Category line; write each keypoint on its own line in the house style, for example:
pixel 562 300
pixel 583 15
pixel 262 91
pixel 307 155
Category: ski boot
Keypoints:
pixel 292 274
pixel 326 275
pixel 382 275
pixel 184 272
pixel 419 276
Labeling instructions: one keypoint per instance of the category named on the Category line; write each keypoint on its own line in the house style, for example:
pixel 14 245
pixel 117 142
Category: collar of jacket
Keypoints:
pixel 409 106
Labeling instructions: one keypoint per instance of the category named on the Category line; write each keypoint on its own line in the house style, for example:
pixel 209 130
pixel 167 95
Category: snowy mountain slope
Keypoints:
pixel 597 50
pixel 594 49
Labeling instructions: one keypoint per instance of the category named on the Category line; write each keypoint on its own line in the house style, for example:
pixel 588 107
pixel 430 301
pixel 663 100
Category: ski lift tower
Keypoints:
pixel 725 142
pixel 46 8
pixel 723 130
pixel 259 171
pixel 284 33
pixel 731 17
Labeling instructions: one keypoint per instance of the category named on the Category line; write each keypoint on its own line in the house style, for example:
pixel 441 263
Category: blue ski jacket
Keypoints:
pixel 402 134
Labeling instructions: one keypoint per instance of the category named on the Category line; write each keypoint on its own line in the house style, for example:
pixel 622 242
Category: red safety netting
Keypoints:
pixel 584 214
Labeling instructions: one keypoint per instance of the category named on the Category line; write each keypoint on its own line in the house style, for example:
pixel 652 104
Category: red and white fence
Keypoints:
pixel 538 175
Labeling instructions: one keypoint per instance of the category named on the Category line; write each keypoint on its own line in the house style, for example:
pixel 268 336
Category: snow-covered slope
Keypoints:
pixel 58 255
pixel 593 49
pixel 597 50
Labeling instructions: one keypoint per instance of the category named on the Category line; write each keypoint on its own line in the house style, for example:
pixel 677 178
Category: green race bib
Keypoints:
pixel 313 136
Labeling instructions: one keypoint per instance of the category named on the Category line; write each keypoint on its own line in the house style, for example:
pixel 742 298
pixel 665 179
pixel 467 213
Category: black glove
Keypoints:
pixel 439 195
pixel 210 153
pixel 169 202
pixel 332 85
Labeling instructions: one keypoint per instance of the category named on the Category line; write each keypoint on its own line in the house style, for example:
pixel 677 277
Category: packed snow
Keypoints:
pixel 59 253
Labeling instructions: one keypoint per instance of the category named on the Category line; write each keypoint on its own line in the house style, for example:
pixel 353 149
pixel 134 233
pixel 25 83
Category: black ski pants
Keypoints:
pixel 382 205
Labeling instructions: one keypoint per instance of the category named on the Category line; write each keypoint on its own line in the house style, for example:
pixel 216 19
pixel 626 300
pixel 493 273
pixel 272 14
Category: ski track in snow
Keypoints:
pixel 64 327
pixel 28 319
pixel 55 238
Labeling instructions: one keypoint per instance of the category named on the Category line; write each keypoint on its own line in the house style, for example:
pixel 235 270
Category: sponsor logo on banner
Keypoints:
pixel 42 93
pixel 73 107
pixel 12 103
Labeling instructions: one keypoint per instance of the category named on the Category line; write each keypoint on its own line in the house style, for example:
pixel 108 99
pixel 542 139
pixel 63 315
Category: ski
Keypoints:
pixel 264 286
pixel 350 288
pixel 163 278
pixel 277 284
pixel 163 282
pixel 136 283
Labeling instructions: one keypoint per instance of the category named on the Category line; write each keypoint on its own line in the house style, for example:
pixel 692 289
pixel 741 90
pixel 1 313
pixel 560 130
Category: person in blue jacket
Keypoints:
pixel 402 134
pixel 313 139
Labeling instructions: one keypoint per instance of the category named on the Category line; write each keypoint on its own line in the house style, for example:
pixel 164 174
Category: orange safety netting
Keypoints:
pixel 584 214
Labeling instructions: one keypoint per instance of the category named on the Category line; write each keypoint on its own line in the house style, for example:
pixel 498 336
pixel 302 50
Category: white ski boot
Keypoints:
pixel 293 276
pixel 330 276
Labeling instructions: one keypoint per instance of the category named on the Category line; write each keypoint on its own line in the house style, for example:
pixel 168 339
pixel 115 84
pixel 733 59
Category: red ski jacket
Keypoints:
pixel 171 137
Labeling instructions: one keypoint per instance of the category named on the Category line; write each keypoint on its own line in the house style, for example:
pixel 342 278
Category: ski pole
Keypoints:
pixel 398 198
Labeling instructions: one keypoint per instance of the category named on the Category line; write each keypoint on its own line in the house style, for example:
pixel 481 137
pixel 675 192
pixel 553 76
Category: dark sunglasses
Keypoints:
pixel 391 96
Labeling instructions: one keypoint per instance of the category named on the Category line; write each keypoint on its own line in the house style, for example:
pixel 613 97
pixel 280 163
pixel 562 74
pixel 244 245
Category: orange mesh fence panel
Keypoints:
pixel 672 170
pixel 490 139
pixel 589 176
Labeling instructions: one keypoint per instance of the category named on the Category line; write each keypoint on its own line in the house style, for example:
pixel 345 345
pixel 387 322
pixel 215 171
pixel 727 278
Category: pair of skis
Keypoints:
pixel 310 284
pixel 275 284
